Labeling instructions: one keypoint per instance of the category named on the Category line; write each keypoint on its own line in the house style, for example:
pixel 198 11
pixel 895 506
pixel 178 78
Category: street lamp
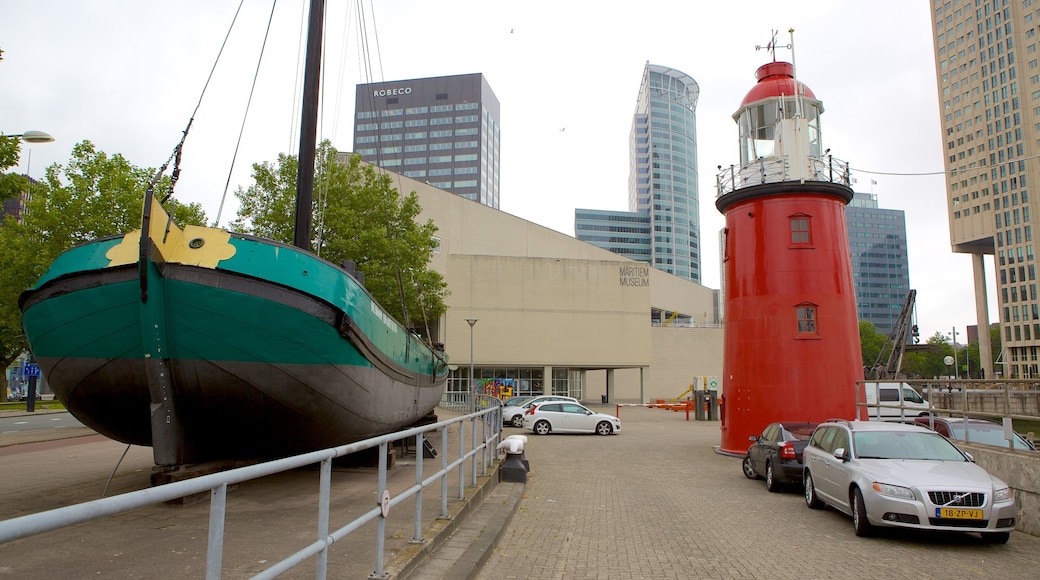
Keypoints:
pixel 472 381
pixel 30 137
pixel 956 371
pixel 33 137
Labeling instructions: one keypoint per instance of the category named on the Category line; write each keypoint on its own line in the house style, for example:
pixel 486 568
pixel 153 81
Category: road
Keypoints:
pixel 35 421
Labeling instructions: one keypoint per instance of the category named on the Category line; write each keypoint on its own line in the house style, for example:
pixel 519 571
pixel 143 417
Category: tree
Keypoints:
pixel 871 342
pixel 11 184
pixel 95 195
pixel 358 216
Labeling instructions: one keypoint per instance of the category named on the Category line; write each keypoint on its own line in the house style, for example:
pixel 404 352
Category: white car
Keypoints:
pixel 564 417
pixel 513 414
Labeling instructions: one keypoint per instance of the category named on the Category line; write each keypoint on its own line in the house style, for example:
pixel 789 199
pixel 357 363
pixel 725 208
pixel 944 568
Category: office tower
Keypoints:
pixel 989 93
pixel 880 270
pixel 662 179
pixel 444 131
pixel 622 232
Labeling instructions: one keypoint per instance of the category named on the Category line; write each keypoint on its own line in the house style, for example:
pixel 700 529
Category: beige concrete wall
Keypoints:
pixel 679 357
pixel 1021 471
pixel 674 294
pixel 545 311
pixel 546 299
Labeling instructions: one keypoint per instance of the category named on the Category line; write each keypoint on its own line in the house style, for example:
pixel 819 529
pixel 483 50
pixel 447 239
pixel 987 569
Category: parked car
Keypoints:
pixel 900 475
pixel 516 401
pixel 974 431
pixel 776 454
pixel 513 414
pixel 564 417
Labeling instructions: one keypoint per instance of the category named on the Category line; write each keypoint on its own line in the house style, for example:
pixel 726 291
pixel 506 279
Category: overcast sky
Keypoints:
pixel 127 75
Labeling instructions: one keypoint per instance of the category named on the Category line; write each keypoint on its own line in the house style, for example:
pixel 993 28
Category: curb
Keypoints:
pixel 460 546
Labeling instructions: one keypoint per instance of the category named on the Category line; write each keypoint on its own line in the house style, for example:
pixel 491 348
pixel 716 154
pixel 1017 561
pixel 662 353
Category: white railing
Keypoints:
pixel 778 169
pixel 487 423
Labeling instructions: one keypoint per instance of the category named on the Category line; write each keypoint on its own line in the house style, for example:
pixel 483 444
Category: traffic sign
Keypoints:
pixel 31 370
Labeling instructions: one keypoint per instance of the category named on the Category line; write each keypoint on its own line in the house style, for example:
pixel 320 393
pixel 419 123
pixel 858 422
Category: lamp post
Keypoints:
pixel 30 137
pixel 956 371
pixel 33 137
pixel 472 381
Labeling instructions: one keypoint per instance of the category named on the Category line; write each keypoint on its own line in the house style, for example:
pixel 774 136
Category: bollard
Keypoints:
pixel 514 469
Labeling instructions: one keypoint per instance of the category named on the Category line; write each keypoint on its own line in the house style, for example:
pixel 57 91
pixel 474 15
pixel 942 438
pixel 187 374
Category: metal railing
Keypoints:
pixel 1015 399
pixel 778 169
pixel 487 422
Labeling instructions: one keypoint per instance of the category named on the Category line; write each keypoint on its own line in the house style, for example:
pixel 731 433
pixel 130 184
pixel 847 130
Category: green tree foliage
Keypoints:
pixel 94 195
pixel 871 342
pixel 359 216
pixel 11 184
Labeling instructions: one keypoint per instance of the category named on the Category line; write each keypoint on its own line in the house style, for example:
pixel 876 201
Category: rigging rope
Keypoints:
pixel 176 155
pixel 245 114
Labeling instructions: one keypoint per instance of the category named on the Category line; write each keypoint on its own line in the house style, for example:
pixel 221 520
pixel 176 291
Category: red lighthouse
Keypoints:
pixel 791 347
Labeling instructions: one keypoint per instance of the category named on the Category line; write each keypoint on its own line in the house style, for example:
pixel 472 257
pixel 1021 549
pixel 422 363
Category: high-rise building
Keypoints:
pixel 444 131
pixel 880 269
pixel 989 94
pixel 662 180
pixel 623 232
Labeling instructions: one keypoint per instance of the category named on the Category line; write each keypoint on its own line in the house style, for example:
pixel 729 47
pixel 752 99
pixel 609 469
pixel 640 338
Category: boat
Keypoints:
pixel 213 346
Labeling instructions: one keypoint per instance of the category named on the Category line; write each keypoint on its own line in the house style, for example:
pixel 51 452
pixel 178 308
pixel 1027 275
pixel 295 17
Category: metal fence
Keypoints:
pixel 480 441
pixel 1018 400
pixel 779 169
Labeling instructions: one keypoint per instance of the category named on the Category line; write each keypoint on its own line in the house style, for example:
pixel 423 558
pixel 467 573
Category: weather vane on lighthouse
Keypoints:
pixel 772 46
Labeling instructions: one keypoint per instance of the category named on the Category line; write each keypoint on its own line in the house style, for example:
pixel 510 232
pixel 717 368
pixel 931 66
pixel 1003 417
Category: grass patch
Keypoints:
pixel 39 406
pixel 1023 426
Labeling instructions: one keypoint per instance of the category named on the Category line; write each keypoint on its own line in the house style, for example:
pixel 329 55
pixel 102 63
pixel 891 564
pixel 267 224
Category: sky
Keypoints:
pixel 128 76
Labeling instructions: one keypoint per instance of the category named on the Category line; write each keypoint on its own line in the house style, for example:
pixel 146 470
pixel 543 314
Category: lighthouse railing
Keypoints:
pixel 779 169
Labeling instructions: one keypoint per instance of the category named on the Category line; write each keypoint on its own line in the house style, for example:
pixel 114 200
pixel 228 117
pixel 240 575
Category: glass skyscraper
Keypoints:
pixel 444 131
pixel 662 179
pixel 880 268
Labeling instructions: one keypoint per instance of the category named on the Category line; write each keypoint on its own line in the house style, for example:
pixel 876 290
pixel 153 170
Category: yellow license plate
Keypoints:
pixel 958 513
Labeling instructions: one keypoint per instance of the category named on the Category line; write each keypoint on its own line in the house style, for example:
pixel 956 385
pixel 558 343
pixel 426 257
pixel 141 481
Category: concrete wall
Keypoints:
pixel 990 401
pixel 1021 471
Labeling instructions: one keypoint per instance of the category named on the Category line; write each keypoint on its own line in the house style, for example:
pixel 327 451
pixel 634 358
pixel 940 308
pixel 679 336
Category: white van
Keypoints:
pixel 889 401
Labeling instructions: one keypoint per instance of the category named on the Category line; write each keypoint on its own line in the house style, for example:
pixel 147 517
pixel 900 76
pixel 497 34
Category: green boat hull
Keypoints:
pixel 267 353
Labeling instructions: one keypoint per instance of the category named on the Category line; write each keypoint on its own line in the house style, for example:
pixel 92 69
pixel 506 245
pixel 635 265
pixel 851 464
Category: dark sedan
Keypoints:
pixel 776 454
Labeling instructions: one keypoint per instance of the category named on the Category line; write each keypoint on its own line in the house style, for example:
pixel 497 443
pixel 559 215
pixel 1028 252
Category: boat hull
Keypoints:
pixel 264 353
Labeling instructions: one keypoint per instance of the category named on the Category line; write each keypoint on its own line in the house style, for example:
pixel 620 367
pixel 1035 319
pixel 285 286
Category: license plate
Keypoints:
pixel 958 513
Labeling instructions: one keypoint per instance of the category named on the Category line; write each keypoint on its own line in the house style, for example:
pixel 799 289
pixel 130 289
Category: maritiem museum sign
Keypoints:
pixel 635 275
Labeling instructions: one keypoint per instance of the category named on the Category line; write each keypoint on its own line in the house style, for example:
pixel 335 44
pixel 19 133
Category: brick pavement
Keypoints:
pixel 652 502
pixel 657 502
pixel 267 519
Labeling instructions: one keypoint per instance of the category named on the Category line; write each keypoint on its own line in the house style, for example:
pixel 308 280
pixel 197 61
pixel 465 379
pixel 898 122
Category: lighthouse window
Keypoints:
pixel 807 318
pixel 800 231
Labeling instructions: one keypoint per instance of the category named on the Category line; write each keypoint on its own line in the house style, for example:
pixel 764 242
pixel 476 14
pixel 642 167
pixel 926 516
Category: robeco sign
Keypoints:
pixel 391 92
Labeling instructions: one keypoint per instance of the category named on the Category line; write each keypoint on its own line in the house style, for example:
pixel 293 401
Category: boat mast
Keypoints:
pixel 308 127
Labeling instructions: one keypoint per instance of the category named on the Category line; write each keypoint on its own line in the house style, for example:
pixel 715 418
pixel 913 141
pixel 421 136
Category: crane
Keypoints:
pixel 895 345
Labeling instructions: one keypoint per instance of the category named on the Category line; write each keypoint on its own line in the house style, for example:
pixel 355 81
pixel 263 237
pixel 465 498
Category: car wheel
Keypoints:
pixel 811 500
pixel 517 420
pixel 748 468
pixel 996 537
pixel 604 428
pixel 859 515
pixel 542 427
pixel 771 483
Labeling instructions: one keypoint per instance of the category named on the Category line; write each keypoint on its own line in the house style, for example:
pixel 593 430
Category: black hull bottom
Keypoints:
pixel 240 411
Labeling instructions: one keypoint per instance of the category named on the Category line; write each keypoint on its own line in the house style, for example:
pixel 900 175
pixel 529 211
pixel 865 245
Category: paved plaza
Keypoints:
pixel 652 502
pixel 657 502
